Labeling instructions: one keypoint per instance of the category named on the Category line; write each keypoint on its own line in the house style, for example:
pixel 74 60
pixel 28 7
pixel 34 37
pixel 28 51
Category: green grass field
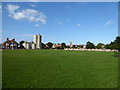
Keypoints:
pixel 59 69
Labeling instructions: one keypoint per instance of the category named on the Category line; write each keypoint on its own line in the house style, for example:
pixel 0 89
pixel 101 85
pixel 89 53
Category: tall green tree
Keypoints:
pixel 90 45
pixel 43 46
pixel 49 44
pixel 117 42
pixel 63 45
pixel 21 44
pixel 100 46
pixel 107 46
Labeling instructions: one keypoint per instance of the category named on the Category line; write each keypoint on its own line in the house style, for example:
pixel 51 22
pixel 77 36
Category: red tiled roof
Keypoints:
pixel 9 41
pixel 57 45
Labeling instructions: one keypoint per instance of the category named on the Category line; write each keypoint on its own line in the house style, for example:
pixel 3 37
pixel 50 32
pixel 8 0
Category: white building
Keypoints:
pixel 33 46
pixel 84 46
pixel 37 44
pixel 37 41
pixel 26 45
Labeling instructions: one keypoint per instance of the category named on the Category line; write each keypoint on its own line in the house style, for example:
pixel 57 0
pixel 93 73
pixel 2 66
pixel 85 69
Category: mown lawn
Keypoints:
pixel 59 69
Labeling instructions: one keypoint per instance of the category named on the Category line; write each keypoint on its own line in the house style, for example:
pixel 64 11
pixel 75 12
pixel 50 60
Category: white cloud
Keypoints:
pixel 12 8
pixel 37 25
pixel 78 25
pixel 108 22
pixel 18 16
pixel 27 14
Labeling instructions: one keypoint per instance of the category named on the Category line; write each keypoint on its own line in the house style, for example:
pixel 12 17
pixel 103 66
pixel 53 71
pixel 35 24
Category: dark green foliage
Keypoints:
pixel 43 46
pixel 90 45
pixel 100 46
pixel 74 46
pixel 63 45
pixel 49 44
pixel 117 42
pixel 21 46
pixel 107 46
pixel 114 45
pixel 59 48
pixel 67 46
pixel 110 46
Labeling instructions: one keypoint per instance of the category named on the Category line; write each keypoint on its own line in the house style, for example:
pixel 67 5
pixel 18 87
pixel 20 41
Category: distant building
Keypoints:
pixel 37 41
pixel 10 44
pixel 56 46
pixel 84 46
pixel 37 44
pixel 33 45
pixel 29 45
pixel 71 44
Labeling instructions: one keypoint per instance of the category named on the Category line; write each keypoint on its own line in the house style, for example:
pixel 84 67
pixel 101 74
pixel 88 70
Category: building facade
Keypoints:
pixel 10 44
pixel 36 44
pixel 37 40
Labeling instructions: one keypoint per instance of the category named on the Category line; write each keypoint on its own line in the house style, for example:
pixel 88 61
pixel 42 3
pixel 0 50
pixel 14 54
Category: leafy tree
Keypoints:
pixel 117 43
pixel 21 44
pixel 63 45
pixel 107 46
pixel 114 45
pixel 58 43
pixel 67 46
pixel 49 44
pixel 90 45
pixel 43 46
pixel 100 46
pixel 117 40
pixel 58 48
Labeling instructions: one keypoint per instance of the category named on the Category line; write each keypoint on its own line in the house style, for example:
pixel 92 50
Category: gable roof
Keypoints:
pixel 9 41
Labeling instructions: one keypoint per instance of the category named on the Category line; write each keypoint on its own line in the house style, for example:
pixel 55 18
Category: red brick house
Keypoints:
pixel 10 44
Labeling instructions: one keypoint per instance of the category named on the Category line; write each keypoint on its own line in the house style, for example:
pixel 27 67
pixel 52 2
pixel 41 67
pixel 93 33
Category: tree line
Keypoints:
pixel 89 45
pixel 113 45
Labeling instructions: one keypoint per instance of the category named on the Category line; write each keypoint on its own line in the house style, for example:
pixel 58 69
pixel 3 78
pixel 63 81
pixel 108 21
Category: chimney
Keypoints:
pixel 7 38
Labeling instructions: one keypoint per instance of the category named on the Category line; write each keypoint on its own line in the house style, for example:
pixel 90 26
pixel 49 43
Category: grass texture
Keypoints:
pixel 59 69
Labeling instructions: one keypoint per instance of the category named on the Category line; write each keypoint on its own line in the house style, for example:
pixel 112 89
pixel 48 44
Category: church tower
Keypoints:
pixel 37 41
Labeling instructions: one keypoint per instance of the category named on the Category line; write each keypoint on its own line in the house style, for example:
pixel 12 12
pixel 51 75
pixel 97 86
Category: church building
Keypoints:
pixel 36 44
